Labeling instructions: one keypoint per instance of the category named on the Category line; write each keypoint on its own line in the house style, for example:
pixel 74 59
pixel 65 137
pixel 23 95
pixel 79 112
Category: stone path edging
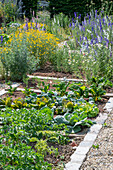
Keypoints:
pixel 79 155
pixel 62 79
pixel 55 78
pixel 3 91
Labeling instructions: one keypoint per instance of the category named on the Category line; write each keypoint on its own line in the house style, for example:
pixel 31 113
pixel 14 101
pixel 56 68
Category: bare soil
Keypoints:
pixel 64 151
pixel 49 71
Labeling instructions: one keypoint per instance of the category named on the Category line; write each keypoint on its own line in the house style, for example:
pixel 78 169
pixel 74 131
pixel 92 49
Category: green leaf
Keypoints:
pixel 77 129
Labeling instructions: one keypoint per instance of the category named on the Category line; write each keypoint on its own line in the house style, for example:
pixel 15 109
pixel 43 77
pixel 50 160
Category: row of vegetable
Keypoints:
pixel 32 120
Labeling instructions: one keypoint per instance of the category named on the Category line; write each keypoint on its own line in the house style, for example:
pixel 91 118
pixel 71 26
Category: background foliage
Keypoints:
pixel 68 7
pixel 29 7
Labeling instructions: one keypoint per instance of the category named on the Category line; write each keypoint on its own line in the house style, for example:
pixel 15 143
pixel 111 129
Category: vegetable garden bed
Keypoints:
pixel 35 124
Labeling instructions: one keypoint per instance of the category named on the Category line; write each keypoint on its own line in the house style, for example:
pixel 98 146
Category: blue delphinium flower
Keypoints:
pixel 73 25
pixel 96 40
pixel 87 15
pixel 95 14
pixel 1 39
pixel 92 28
pixel 75 14
pixel 79 16
pixel 109 24
pixel 85 22
pixel 92 41
pixel 31 26
pixel 70 25
pixel 101 38
pixel 83 29
pixel 36 25
pixel 103 21
pixel 26 26
pixel 73 19
pixel 86 38
pixel 80 39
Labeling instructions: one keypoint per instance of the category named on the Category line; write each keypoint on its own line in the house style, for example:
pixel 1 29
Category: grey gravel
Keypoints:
pixel 101 158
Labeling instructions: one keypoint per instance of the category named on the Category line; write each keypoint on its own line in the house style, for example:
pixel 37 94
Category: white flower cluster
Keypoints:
pixel 15 25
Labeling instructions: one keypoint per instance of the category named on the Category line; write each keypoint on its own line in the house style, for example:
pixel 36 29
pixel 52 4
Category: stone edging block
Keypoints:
pixel 79 155
pixel 3 91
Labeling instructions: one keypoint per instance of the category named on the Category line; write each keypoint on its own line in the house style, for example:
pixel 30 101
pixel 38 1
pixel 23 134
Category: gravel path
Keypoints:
pixel 100 156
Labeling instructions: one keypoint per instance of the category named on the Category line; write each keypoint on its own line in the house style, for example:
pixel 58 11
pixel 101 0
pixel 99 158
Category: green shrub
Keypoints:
pixel 82 7
pixel 29 6
pixel 17 60
pixel 8 11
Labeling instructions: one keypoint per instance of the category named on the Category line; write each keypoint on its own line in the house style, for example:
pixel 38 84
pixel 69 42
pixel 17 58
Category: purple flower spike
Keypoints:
pixel 92 41
pixel 95 13
pixel 70 25
pixel 79 16
pixel 101 38
pixel 33 19
pixel 80 39
pixel 86 38
pixel 73 25
pixel 1 39
pixel 31 26
pixel 36 25
pixel 73 19
pixel 85 21
pixel 106 44
pixel 92 28
pixel 109 24
pixel 103 20
pixel 83 29
pixel 43 28
pixel 75 14
pixel 110 54
pixel 26 25
pixel 96 40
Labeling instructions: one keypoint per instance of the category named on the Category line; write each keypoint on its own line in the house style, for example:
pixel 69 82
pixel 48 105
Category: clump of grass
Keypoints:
pixel 1 71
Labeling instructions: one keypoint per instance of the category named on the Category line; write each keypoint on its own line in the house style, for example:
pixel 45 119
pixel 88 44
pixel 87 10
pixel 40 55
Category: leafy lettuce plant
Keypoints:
pixel 21 156
pixel 97 87
pixel 61 88
pixel 78 119
pixel 79 90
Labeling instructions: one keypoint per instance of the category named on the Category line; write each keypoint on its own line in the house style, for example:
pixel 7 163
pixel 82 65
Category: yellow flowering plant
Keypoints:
pixel 39 43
